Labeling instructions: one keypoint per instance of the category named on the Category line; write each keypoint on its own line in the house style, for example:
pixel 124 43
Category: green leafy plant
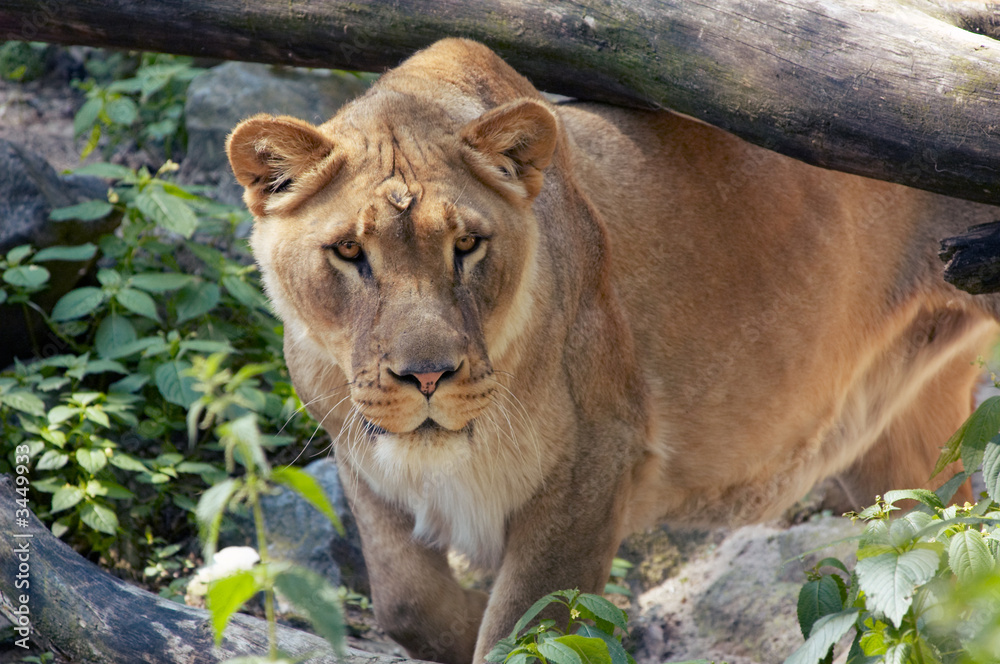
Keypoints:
pixel 926 586
pixel 146 107
pixel 312 595
pixel 23 61
pixel 116 466
pixel 589 635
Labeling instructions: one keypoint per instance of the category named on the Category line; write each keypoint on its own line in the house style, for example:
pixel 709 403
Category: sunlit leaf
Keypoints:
pixel 306 486
pixel 100 518
pixel 227 595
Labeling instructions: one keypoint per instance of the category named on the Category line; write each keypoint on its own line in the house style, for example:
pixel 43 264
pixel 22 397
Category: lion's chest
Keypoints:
pixel 458 488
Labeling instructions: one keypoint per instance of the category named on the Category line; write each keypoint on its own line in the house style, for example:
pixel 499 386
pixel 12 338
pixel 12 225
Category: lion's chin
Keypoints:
pixel 429 427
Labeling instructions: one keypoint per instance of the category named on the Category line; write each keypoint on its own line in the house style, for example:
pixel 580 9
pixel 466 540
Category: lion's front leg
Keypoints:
pixel 557 542
pixel 416 599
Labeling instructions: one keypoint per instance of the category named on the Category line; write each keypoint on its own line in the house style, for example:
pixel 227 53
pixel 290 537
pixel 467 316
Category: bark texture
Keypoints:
pixel 91 617
pixel 973 259
pixel 900 90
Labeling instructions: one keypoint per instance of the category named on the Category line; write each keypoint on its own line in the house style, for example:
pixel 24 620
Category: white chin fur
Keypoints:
pixel 438 476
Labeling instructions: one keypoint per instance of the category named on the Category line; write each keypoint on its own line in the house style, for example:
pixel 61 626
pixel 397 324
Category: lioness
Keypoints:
pixel 533 328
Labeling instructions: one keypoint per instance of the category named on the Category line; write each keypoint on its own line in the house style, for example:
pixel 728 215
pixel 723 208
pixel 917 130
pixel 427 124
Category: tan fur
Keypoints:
pixel 660 322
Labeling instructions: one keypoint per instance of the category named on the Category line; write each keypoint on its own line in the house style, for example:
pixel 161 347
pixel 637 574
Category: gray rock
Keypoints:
pixel 299 533
pixel 737 603
pixel 29 190
pixel 219 98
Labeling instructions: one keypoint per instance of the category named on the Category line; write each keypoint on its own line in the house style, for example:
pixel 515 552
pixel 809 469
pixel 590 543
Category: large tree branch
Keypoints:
pixel 78 609
pixel 874 87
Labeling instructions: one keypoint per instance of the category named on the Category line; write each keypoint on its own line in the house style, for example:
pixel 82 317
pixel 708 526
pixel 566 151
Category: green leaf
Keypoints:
pixel 100 518
pixel 109 278
pixel 87 115
pixel 898 653
pixel 319 601
pixel 126 462
pixel 173 385
pixel 106 170
pixel 501 650
pixel 109 489
pixel 92 460
pixel 60 414
pixel 615 649
pixel 519 658
pixel 211 507
pixel 207 346
pixel 306 486
pixel 227 595
pixel 52 383
pixel 169 212
pixel 24 401
pixel 66 497
pixel 924 496
pixel 890 579
pixel 817 599
pixel 827 631
pixel 196 300
pixel 160 282
pixel 603 609
pixel 52 460
pixel 590 650
pixel 128 384
pixel 114 332
pixel 559 653
pixel 133 347
pixel 19 253
pixel 138 302
pixel 532 612
pixel 80 252
pixel 243 292
pixel 121 110
pixel 969 556
pixel 86 211
pixel 983 425
pixel 26 276
pixel 947 490
pixel 104 366
pixel 991 468
pixel 77 303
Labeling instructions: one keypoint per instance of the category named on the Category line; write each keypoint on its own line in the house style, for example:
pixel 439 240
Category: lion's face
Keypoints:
pixel 400 243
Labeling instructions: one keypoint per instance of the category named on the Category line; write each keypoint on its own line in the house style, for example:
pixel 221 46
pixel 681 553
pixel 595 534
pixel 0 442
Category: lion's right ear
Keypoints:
pixel 514 141
pixel 274 156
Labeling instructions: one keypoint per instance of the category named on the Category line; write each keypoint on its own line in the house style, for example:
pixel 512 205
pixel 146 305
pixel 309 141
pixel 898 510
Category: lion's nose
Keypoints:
pixel 428 381
pixel 425 378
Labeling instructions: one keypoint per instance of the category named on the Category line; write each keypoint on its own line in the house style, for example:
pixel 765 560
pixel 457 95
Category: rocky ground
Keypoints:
pixel 726 595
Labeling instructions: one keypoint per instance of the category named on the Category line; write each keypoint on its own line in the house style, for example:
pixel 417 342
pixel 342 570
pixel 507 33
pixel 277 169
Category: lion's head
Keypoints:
pixel 398 239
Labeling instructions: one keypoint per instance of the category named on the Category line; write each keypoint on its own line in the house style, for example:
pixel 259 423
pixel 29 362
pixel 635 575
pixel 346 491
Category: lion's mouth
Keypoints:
pixel 428 426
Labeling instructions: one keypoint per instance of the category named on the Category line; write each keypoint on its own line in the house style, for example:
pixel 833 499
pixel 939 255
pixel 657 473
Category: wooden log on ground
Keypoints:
pixel 91 617
pixel 891 89
pixel 973 259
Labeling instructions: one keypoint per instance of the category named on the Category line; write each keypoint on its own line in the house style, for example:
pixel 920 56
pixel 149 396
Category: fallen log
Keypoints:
pixel 894 90
pixel 973 259
pixel 76 609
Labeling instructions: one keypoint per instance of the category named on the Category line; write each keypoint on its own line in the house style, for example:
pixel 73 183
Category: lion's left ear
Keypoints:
pixel 514 143
pixel 269 155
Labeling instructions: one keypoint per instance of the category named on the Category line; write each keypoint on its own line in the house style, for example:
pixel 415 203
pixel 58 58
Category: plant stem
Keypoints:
pixel 258 518
pixel 31 330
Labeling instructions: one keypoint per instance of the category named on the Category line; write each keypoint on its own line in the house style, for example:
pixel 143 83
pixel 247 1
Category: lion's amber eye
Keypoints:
pixel 348 250
pixel 466 244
